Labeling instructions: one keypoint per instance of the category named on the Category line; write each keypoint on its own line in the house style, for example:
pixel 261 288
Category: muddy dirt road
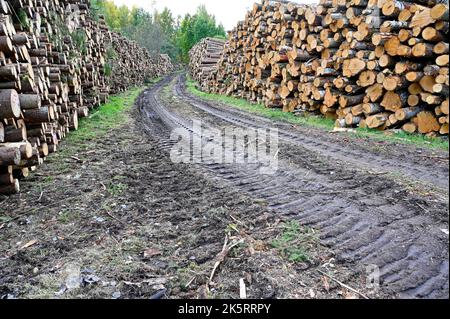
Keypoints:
pixel 374 203
pixel 111 216
pixel 115 217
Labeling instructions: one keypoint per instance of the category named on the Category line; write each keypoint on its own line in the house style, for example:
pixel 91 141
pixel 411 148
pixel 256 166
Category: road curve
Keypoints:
pixel 351 195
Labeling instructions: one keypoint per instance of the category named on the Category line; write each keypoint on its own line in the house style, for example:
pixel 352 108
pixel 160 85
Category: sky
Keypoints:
pixel 228 12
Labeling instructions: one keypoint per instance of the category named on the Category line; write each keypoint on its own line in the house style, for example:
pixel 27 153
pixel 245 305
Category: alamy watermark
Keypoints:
pixel 229 145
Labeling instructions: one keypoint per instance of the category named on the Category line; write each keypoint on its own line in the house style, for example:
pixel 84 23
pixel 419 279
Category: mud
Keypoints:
pixel 124 221
pixel 114 218
pixel 387 208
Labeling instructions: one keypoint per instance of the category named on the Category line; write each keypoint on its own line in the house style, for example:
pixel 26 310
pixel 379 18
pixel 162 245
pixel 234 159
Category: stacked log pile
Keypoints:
pixel 53 69
pixel 381 64
pixel 134 65
pixel 203 59
pixel 163 65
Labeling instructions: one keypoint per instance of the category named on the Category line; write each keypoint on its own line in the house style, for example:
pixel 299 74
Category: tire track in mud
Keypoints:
pixel 366 218
pixel 436 176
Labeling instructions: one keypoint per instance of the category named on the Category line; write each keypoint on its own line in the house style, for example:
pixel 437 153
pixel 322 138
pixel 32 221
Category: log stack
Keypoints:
pixel 134 65
pixel 203 59
pixel 53 70
pixel 163 65
pixel 379 64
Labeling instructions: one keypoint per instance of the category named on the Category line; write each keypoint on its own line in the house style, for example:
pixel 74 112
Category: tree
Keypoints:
pixel 160 32
pixel 166 21
pixel 195 28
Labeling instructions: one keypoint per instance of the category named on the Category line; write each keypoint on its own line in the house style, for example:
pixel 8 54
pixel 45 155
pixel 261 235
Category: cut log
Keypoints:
pixel 341 65
pixel 9 156
pixel 9 104
pixel 427 122
pixel 25 148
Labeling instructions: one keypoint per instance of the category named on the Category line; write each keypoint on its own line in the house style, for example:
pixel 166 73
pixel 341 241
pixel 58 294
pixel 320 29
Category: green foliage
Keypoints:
pixel 166 21
pixel 116 17
pixel 108 69
pixel 79 40
pixel 55 37
pixel 23 18
pixel 160 32
pixel 79 37
pixel 195 28
pixel 295 241
pixel 111 54
pixel 117 189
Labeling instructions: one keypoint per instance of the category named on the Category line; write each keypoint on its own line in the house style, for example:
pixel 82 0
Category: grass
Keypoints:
pixel 320 122
pixel 106 117
pixel 295 242
pixel 403 137
pixel 275 114
pixel 96 126
pixel 67 216
pixel 117 189
pixel 153 81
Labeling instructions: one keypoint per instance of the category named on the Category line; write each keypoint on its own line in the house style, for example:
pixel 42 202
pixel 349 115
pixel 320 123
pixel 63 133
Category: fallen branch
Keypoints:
pixel 115 218
pixel 222 255
pixel 319 193
pixel 343 285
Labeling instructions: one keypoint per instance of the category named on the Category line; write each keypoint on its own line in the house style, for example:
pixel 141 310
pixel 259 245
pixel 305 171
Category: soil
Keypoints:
pixel 118 219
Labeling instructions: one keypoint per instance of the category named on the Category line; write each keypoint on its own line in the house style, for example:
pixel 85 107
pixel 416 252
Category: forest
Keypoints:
pixel 178 34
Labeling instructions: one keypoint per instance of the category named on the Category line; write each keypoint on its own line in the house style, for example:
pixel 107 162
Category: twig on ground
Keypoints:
pixel 190 282
pixel 316 192
pixel 76 159
pixel 435 157
pixel 92 115
pixel 115 239
pixel 423 208
pixel 222 255
pixel 115 218
pixel 237 220
pixel 51 205
pixel 343 285
pixel 12 219
pixel 378 173
pixel 276 153
pixel 72 233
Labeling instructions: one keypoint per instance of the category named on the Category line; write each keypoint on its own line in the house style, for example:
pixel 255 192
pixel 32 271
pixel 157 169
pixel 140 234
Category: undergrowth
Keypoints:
pixel 295 242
